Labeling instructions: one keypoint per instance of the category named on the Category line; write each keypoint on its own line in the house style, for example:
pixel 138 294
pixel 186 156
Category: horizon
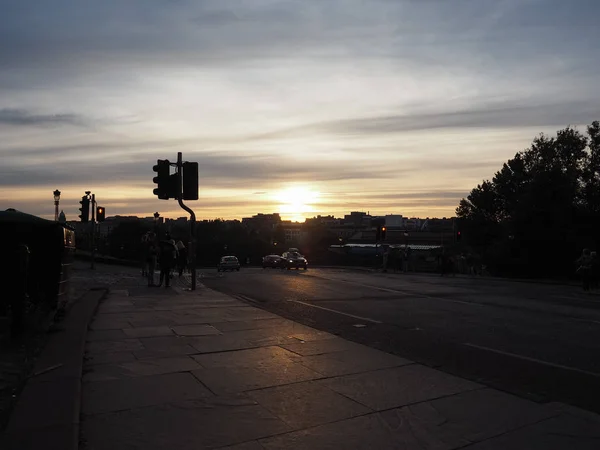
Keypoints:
pixel 299 108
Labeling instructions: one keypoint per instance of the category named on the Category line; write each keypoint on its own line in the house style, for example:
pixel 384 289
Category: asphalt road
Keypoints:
pixel 538 341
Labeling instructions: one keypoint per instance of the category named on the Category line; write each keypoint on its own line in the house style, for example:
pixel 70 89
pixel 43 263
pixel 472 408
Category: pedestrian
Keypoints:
pixel 167 260
pixel 181 257
pixel 386 257
pixel 470 264
pixel 585 268
pixel 442 262
pixel 594 271
pixel 145 244
pixel 151 262
pixel 407 258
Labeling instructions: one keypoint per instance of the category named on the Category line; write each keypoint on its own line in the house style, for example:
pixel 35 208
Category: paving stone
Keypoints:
pixel 139 332
pixel 322 346
pixel 108 358
pixel 310 335
pixel 464 418
pixel 225 380
pixel 400 386
pixel 184 426
pixel 195 330
pixel 196 318
pixel 246 358
pixel 166 342
pixel 252 445
pixel 140 368
pixel 124 345
pixel 303 405
pixel 559 433
pixel 104 323
pixel 165 352
pixel 116 301
pixel 349 362
pixel 105 335
pixel 250 324
pixel 116 395
pixel 359 433
pixel 220 343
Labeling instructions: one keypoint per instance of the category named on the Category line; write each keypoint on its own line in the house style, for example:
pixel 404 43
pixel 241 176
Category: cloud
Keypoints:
pixel 19 117
pixel 493 116
pixel 388 99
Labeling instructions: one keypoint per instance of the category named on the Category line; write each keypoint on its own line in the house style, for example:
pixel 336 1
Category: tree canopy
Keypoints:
pixel 541 208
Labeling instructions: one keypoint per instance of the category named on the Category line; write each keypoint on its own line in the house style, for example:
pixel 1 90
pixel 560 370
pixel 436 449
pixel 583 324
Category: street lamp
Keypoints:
pixel 156 216
pixel 56 201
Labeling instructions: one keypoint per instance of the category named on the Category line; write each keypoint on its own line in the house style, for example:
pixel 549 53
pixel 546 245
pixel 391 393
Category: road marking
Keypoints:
pixel 535 360
pixel 408 293
pixel 587 320
pixel 335 311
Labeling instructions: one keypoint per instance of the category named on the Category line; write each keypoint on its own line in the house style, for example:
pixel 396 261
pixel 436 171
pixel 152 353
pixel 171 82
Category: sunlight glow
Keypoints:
pixel 295 203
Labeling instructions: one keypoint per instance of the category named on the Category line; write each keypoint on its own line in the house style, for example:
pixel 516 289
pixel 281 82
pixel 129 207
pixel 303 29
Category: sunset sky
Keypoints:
pixel 300 107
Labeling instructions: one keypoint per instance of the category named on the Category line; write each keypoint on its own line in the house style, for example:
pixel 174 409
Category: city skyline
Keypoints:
pixel 301 108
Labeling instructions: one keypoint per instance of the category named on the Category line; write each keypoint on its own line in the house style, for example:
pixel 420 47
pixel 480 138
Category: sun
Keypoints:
pixel 296 202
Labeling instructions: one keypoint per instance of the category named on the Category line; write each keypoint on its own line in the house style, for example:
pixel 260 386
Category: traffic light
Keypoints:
pixel 383 231
pixel 190 180
pixel 162 179
pixel 458 236
pixel 100 214
pixel 85 209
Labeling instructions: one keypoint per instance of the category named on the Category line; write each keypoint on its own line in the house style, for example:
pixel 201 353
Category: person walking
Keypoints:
pixel 594 271
pixel 386 257
pixel 585 268
pixel 151 262
pixel 167 260
pixel 181 257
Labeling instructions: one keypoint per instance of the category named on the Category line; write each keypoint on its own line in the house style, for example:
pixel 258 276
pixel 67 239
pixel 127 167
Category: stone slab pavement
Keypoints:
pixel 166 369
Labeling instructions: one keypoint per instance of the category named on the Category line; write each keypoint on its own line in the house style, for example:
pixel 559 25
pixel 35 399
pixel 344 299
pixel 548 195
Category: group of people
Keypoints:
pixel 166 254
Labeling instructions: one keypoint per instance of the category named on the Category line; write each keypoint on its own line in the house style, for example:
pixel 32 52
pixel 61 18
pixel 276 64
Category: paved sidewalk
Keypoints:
pixel 170 369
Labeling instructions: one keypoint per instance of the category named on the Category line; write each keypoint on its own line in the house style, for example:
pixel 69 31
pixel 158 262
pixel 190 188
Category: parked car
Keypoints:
pixel 294 259
pixel 228 263
pixel 273 261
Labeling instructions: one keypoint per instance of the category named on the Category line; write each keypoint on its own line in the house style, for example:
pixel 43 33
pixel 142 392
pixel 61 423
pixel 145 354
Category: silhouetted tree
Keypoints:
pixel 541 208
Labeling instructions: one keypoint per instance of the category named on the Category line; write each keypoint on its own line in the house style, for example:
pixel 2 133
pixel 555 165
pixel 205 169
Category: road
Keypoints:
pixel 537 341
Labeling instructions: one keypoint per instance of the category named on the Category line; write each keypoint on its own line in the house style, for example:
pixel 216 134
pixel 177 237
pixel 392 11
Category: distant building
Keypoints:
pixel 357 219
pixel 61 217
pixel 329 221
pixel 262 221
pixel 394 221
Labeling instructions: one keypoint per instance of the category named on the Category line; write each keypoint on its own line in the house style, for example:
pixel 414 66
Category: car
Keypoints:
pixel 273 261
pixel 228 263
pixel 294 259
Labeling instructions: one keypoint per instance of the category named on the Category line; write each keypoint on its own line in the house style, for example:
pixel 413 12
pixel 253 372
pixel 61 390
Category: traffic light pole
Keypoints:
pixel 93 229
pixel 192 243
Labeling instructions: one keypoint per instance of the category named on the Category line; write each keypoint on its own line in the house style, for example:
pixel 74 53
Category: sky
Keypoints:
pixel 300 107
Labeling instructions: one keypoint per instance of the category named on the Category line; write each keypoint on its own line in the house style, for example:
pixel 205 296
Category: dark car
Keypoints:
pixel 228 263
pixel 294 259
pixel 273 261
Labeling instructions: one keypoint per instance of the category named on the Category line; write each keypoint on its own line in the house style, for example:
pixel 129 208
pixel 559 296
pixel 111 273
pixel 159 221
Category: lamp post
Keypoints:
pixel 56 201
pixel 156 216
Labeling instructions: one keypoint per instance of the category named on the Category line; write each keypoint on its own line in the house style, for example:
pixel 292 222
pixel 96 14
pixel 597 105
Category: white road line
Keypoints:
pixel 586 320
pixel 539 361
pixel 335 311
pixel 413 294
